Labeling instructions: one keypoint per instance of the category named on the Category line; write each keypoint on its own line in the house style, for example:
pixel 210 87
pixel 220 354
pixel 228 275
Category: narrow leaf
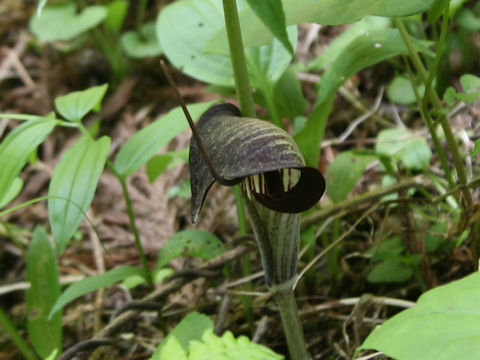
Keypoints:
pixel 147 142
pixel 272 15
pixel 75 105
pixel 366 50
pixel 93 283
pixel 42 274
pixel 15 149
pixel 73 185
pixel 195 243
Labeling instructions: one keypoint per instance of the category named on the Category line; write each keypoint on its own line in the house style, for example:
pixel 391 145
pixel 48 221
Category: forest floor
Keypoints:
pixel 338 309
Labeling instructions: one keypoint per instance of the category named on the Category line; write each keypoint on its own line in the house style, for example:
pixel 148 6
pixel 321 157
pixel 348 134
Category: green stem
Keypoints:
pixel 287 306
pixel 133 226
pixel 449 136
pixel 237 55
pixel 21 344
pixel 142 7
pixel 437 104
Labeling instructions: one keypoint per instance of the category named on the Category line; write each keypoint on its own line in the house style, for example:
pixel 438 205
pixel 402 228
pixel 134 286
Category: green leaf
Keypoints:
pixel 183 42
pixel 366 50
pixel 436 237
pixel 227 347
pixel 93 283
pixel 15 150
pixel 267 63
pixel 12 191
pixel 270 12
pixel 344 172
pixel 288 95
pixel 413 151
pixel 159 163
pixel 475 150
pixel 445 324
pixel 142 43
pixel 192 327
pixel 145 143
pixel 43 276
pixel 195 243
pixel 326 12
pixel 116 11
pixel 390 271
pixel 171 350
pixel 340 42
pixel 391 246
pixel 61 22
pixel 400 91
pixel 40 6
pixel 73 185
pixel 158 276
pixel 75 105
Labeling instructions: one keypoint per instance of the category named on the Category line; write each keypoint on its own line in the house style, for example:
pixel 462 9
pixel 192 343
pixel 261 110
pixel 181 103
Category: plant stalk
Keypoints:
pixel 287 306
pixel 447 129
pixel 237 55
pixel 133 226
pixel 21 344
pixel 437 104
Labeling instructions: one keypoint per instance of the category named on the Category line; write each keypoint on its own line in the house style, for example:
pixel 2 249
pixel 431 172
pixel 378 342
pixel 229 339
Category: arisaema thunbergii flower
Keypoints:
pixel 267 164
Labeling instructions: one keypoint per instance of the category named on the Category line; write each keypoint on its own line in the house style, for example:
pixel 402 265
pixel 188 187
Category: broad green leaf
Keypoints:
pixel 390 271
pixel 93 283
pixel 413 151
pixel 15 150
pixel 400 91
pixel 73 185
pixel 183 42
pixel 61 22
pixel 344 172
pixel 171 350
pixel 141 43
pixel 159 163
pixel 192 327
pixel 467 20
pixel 227 347
pixel 437 237
pixel 391 246
pixel 444 325
pixel 75 105
pixel 325 12
pixel 145 143
pixel 43 276
pixel 341 41
pixel 270 12
pixel 191 242
pixel 116 11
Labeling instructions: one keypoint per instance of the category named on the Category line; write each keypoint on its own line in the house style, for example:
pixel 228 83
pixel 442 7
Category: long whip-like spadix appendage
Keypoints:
pixel 195 133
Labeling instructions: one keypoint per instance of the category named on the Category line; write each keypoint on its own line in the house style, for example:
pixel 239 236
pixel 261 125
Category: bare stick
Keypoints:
pixel 195 133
